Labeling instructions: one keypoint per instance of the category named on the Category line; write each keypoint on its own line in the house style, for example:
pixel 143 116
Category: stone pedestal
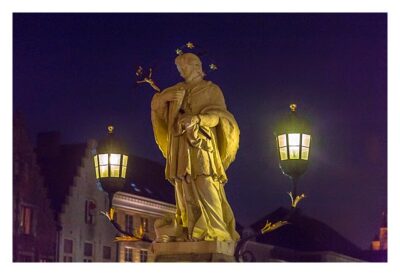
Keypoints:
pixel 204 251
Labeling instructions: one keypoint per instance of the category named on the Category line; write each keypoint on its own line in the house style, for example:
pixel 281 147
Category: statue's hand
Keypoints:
pixel 174 95
pixel 188 120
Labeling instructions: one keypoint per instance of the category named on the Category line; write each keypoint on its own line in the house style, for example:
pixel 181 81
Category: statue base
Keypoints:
pixel 202 251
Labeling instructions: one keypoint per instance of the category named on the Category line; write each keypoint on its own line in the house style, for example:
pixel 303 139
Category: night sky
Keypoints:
pixel 75 73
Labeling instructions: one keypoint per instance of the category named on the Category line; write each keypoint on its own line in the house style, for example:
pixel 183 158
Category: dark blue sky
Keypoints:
pixel 76 73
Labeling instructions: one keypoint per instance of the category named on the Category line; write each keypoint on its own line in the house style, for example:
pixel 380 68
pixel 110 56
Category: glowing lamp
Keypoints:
pixel 110 163
pixel 293 141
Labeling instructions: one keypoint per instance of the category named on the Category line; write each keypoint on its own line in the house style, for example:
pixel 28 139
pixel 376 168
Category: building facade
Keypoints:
pixel 85 235
pixel 34 227
pixel 138 213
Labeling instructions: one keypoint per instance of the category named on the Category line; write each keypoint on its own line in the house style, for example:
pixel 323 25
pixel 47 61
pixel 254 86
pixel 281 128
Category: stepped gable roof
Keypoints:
pixel 304 234
pixel 146 178
pixel 59 165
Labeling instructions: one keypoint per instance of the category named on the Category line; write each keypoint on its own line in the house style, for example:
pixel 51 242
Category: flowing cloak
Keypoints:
pixel 222 141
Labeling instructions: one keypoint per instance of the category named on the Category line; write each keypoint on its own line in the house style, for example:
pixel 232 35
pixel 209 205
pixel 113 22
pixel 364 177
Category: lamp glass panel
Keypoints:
pixel 306 140
pixel 96 162
pixel 103 158
pixel 115 159
pixel 294 139
pixel 294 152
pixel 124 160
pixel 123 172
pixel 97 172
pixel 304 153
pixel 103 171
pixel 114 171
pixel 283 153
pixel 282 140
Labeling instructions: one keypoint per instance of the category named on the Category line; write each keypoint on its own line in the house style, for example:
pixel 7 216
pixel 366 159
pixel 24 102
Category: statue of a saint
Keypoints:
pixel 199 139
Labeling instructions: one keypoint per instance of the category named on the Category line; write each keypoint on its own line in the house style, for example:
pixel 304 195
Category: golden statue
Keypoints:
pixel 199 139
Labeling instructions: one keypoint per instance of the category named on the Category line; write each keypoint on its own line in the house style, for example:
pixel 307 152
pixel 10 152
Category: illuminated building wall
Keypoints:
pixel 138 213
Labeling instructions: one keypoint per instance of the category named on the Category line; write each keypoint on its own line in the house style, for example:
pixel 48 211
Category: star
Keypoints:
pixel 190 45
pixel 179 51
pixel 213 67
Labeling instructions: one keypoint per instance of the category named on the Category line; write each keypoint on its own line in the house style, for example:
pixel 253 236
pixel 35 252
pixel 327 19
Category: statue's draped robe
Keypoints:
pixel 197 157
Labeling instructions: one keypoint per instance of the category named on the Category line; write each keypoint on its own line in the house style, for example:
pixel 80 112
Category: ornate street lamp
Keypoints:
pixel 110 163
pixel 293 141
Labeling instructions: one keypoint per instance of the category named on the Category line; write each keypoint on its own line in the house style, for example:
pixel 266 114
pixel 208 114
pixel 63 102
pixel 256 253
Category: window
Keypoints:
pixel 144 223
pixel 90 211
pixel 88 250
pixel 128 254
pixel 26 220
pixel 68 246
pixel 143 255
pixel 129 223
pixel 106 252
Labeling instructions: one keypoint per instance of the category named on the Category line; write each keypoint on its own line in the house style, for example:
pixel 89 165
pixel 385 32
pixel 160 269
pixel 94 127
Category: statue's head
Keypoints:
pixel 189 66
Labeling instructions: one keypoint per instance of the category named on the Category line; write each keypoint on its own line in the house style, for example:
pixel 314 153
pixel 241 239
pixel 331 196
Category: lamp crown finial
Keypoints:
pixel 293 107
pixel 110 129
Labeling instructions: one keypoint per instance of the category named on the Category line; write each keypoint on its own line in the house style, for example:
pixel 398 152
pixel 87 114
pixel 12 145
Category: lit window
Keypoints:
pixel 90 211
pixel 26 220
pixel 143 255
pixel 128 254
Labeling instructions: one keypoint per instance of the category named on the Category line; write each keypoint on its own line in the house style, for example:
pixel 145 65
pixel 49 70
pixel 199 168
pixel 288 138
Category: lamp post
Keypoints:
pixel 110 163
pixel 293 141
